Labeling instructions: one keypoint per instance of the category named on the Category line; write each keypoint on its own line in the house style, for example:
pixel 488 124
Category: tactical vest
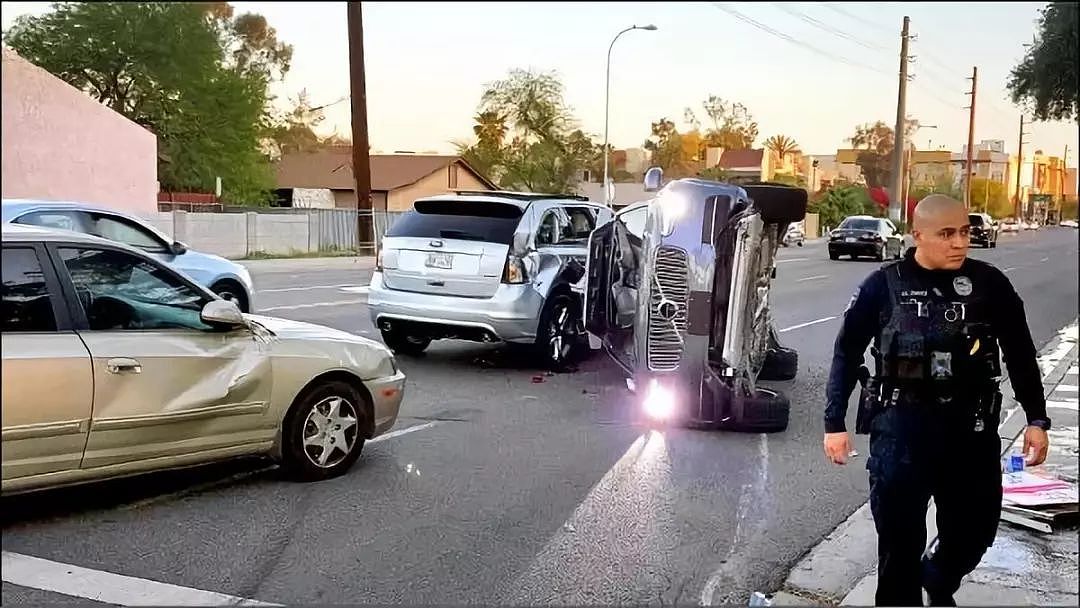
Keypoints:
pixel 937 342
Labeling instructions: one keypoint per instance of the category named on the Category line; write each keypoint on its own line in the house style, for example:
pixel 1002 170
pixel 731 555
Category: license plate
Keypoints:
pixel 849 239
pixel 439 260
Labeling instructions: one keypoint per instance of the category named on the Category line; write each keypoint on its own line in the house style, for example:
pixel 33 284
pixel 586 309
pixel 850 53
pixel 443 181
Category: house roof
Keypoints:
pixel 735 159
pixel 332 168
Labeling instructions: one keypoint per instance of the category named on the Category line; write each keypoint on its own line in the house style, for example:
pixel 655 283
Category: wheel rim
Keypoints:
pixel 559 332
pixel 330 432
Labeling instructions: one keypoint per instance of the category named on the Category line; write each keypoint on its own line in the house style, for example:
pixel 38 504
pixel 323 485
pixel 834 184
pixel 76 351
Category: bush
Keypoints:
pixel 841 201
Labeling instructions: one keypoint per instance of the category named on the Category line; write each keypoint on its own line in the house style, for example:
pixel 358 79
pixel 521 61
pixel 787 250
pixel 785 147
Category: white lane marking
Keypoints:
pixel 307 288
pixel 1063 405
pixel 313 305
pixel 1045 260
pixel 629 544
pixel 792 260
pixel 1009 269
pixel 405 431
pixel 1066 388
pixel 807 324
pixel 357 289
pixel 106 587
pixel 819 276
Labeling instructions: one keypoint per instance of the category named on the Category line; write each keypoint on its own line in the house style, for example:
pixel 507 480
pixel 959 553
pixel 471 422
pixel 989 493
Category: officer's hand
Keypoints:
pixel 837 447
pixel 1035 440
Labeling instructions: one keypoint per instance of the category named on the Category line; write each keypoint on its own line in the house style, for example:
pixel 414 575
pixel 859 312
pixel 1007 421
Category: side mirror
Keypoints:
pixel 178 248
pixel 654 178
pixel 222 313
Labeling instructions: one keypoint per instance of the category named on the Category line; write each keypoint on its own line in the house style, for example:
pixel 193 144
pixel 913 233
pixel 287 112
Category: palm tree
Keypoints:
pixel 490 128
pixel 782 145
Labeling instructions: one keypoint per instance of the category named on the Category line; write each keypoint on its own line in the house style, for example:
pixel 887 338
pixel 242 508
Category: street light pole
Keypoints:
pixel 607 99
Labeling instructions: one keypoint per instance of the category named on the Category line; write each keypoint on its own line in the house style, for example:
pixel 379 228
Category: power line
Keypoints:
pixel 831 6
pixel 825 27
pixel 788 38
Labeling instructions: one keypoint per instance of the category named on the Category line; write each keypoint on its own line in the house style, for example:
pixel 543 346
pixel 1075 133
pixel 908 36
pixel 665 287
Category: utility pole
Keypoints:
pixel 1019 168
pixel 898 135
pixel 361 163
pixel 971 138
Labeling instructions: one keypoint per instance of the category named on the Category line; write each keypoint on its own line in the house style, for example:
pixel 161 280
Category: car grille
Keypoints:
pixel 670 282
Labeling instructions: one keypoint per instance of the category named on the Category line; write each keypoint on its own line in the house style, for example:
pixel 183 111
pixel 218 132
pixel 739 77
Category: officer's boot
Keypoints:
pixel 939 592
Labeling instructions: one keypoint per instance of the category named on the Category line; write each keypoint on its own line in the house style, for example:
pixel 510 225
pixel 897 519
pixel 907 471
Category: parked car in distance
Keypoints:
pixel 115 364
pixel 865 236
pixel 486 267
pixel 1009 225
pixel 794 235
pixel 1031 225
pixel 224 277
pixel 1069 224
pixel 984 230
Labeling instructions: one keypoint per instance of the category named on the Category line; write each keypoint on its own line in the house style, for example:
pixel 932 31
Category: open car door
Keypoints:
pixel 598 281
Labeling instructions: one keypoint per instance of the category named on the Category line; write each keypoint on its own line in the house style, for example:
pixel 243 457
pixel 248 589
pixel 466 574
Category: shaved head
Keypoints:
pixel 940 226
pixel 935 207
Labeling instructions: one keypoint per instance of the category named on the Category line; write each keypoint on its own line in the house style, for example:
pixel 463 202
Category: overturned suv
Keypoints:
pixel 678 295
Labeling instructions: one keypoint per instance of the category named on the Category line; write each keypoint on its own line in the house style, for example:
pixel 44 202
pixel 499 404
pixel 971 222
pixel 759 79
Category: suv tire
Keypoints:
pixel 766 411
pixel 559 336
pixel 404 344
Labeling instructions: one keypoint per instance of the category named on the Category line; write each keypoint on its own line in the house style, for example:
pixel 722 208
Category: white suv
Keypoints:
pixel 486 267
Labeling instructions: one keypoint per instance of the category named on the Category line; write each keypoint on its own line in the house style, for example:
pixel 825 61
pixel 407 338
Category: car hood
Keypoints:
pixel 333 348
pixel 298 330
pixel 852 232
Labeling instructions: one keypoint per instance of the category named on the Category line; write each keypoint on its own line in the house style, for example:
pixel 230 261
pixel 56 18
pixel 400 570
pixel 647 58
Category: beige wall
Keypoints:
pixel 59 144
pixel 436 183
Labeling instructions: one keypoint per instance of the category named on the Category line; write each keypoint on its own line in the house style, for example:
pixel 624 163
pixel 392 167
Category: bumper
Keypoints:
pixel 511 315
pixel 867 248
pixel 386 395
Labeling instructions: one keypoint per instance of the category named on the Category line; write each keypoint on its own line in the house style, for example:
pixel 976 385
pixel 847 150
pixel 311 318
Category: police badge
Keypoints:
pixel 962 286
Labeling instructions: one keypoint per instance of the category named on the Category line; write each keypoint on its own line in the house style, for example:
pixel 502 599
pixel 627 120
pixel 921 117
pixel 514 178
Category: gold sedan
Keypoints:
pixel 115 364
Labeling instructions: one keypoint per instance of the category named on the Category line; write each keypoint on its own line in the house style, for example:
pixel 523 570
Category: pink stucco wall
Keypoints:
pixel 59 144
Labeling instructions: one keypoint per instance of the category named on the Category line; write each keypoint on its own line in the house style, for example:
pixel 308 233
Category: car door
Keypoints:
pixel 627 264
pixel 48 383
pixel 165 384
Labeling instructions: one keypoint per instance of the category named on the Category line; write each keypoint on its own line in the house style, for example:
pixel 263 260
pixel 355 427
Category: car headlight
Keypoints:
pixel 672 209
pixel 659 403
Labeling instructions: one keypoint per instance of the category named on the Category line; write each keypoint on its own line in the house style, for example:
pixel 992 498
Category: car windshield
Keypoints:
pixel 975 220
pixel 471 221
pixel 859 223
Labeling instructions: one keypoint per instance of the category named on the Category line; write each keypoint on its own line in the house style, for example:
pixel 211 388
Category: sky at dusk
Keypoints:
pixel 427 64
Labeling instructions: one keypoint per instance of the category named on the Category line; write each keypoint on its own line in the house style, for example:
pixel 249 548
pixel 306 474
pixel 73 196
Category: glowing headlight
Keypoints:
pixel 672 208
pixel 659 401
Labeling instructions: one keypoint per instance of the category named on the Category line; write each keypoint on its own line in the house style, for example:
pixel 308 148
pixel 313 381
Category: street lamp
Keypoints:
pixel 607 99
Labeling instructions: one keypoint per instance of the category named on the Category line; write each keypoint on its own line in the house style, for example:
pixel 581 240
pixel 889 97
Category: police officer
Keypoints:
pixel 937 320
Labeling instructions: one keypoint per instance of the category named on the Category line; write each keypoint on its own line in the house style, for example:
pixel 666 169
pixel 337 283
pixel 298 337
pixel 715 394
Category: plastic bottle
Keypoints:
pixel 1016 465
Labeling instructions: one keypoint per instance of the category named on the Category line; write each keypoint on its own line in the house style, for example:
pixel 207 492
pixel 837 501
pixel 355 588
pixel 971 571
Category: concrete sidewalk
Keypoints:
pixel 1022 568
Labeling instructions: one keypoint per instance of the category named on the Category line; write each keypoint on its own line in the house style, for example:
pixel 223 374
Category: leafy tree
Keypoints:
pixel 782 145
pixel 545 151
pixel 841 201
pixel 733 127
pixel 295 131
pixel 875 144
pixel 1046 78
pixel 991 197
pixel 192 73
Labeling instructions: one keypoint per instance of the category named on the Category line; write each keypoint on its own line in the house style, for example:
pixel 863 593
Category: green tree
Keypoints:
pixel 733 127
pixel 192 73
pixel 545 151
pixel 841 201
pixel 1046 78
pixel 875 144
pixel 990 197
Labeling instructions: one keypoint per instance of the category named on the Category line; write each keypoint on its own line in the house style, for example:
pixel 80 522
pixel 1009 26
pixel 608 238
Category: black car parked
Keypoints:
pixel 984 230
pixel 865 236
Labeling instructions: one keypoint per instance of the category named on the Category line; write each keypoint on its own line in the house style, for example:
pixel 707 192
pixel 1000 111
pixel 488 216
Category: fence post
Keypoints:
pixel 251 232
pixel 180 231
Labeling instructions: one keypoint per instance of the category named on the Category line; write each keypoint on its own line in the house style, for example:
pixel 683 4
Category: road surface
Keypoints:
pixel 499 489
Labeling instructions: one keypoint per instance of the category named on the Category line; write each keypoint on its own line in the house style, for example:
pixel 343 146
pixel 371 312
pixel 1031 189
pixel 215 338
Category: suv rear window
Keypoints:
pixel 860 224
pixel 466 220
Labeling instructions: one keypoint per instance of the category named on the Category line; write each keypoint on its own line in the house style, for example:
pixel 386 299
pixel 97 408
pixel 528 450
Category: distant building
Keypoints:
pixel 396 179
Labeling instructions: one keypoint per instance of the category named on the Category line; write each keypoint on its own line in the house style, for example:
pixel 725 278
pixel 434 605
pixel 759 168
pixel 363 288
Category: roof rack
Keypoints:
pixel 521 196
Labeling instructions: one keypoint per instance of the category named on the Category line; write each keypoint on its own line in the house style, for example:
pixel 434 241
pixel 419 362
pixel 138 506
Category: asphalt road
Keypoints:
pixel 508 490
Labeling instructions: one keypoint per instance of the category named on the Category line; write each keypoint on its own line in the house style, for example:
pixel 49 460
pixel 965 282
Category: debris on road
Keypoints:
pixel 1038 501
pixel 538 379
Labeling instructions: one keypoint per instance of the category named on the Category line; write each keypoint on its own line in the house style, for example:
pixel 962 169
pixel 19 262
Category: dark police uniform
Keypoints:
pixel 932 411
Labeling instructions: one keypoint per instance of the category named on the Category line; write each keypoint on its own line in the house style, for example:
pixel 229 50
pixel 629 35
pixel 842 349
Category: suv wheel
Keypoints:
pixel 766 411
pixel 558 337
pixel 404 344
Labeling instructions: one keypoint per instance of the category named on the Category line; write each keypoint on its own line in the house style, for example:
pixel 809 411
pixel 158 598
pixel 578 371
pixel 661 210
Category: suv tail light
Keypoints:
pixel 514 271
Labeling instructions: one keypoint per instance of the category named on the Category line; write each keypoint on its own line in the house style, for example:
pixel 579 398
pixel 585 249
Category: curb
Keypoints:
pixel 844 562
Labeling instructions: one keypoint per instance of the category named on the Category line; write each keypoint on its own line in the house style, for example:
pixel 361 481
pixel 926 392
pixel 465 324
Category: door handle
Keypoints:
pixel 123 364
